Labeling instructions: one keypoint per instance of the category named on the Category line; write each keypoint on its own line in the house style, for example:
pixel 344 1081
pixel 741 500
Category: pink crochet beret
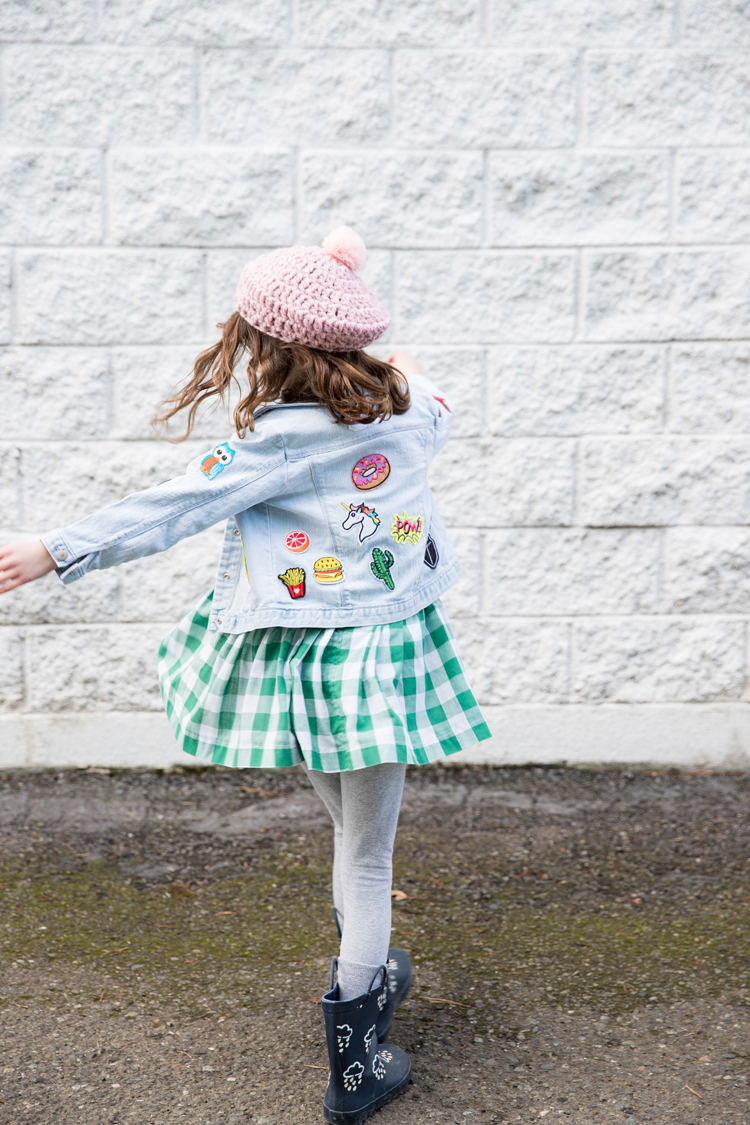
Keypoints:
pixel 311 295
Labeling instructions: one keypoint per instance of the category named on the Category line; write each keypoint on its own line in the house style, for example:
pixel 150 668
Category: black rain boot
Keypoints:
pixel 400 975
pixel 363 1076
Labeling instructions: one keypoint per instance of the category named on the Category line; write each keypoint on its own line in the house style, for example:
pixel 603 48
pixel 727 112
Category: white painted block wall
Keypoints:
pixel 556 198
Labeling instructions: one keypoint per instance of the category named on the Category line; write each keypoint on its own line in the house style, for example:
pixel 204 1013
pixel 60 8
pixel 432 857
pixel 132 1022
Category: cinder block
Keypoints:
pixel 63 483
pixel 532 572
pixel 388 23
pixel 575 390
pixel 94 668
pixel 166 586
pixel 580 22
pixel 484 296
pixel 460 373
pixel 484 99
pixel 142 379
pixel 223 269
pixel 710 389
pixel 667 295
pixel 63 21
pixel 658 661
pixel 47 601
pixel 98 96
pixel 515 661
pixel 377 274
pixel 664 481
pixel 713 196
pixel 556 199
pixel 524 481
pixel 395 198
pixel 464 599
pixel 453 477
pixel 12 687
pixel 110 296
pixel 295 97
pixel 49 394
pixel 208 23
pixel 668 98
pixel 201 197
pixel 51 196
pixel 721 23
pixel 706 570
pixel 10 487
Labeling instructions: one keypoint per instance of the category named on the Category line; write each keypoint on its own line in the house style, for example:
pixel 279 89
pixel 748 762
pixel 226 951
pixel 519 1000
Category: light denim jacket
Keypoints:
pixel 329 525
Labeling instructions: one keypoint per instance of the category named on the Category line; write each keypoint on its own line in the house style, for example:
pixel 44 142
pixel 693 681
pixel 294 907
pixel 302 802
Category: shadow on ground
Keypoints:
pixel 581 941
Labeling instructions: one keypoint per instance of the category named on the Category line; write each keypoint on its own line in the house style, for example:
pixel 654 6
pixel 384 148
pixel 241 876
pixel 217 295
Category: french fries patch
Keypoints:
pixel 294 580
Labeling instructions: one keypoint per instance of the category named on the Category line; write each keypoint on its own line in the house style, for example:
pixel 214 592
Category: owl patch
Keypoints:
pixel 218 459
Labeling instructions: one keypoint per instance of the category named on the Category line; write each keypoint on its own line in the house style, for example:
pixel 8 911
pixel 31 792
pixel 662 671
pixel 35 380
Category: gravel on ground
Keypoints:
pixel 581 943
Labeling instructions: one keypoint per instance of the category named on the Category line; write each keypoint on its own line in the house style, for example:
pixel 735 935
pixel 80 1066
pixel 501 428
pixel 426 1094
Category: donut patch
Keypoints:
pixel 371 471
pixel 407 529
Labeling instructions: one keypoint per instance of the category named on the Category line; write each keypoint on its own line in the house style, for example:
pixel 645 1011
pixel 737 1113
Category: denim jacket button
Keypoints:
pixel 218 621
pixel 227 577
pixel 236 531
pixel 61 554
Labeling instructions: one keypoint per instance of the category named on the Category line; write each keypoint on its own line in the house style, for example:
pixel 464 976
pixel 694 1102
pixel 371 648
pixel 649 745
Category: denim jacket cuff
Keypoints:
pixel 69 568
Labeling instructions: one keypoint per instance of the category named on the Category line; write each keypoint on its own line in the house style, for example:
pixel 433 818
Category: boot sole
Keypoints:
pixel 356 1116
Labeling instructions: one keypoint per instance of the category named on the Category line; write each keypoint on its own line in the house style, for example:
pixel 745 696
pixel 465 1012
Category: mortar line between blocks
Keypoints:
pixel 667 377
pixel 672 194
pixel 199 93
pixel 572 661
pixel 579 300
pixel 487 199
pixel 582 101
pixel 14 298
pixel 298 194
pixel 106 209
pixel 677 29
pixel 485 24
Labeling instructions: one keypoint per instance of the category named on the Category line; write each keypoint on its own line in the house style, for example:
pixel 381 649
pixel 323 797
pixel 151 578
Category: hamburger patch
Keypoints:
pixel 328 570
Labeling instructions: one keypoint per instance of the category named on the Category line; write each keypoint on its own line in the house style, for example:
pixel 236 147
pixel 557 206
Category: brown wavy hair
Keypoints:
pixel 354 386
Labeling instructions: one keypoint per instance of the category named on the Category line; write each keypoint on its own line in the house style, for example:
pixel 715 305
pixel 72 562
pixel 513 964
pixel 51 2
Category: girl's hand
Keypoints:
pixel 23 562
pixel 406 363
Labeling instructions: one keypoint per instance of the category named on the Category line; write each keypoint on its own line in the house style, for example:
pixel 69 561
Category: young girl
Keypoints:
pixel 323 643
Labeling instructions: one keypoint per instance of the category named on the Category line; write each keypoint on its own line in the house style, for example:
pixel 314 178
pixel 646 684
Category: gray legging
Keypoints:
pixel 364 806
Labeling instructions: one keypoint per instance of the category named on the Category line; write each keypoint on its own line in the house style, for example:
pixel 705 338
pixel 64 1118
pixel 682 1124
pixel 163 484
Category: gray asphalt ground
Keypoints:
pixel 581 941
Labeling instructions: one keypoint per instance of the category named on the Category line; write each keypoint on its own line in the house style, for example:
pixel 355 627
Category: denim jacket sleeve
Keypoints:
pixel 235 475
pixel 443 410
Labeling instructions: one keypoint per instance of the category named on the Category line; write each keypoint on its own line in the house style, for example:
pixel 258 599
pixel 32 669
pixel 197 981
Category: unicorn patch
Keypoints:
pixel 359 515
pixel 218 459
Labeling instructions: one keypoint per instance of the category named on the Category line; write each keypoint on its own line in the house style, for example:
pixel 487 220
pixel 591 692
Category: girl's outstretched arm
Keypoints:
pixel 23 562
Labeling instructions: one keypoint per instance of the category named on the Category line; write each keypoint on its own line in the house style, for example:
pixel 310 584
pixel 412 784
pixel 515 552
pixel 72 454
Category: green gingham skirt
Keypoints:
pixel 335 699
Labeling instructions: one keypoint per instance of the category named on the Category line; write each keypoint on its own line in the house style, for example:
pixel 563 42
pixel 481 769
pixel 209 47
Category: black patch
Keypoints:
pixel 431 556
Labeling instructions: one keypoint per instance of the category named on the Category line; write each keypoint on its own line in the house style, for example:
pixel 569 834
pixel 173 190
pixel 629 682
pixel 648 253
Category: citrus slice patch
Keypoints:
pixel 297 541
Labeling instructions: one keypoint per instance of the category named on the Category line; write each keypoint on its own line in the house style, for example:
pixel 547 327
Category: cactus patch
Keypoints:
pixel 407 529
pixel 381 564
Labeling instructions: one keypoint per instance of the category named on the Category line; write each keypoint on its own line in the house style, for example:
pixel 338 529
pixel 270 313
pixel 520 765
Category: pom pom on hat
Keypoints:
pixel 344 244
